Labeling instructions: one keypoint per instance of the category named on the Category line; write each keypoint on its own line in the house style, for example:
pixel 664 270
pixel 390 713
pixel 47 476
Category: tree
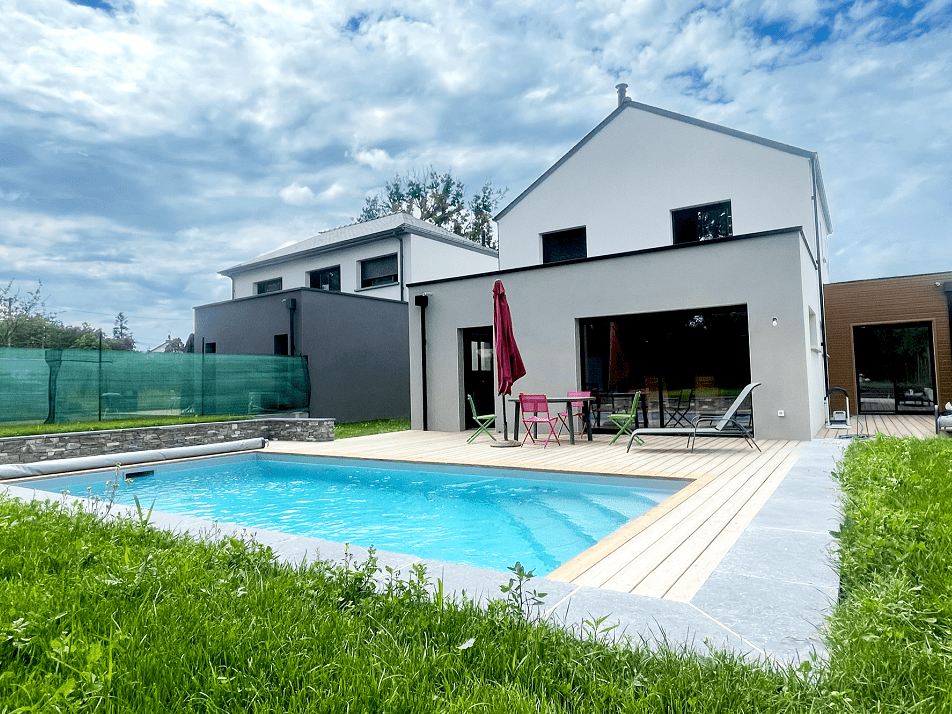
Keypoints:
pixel 90 341
pixel 439 199
pixel 24 322
pixel 16 310
pixel 175 345
pixel 122 327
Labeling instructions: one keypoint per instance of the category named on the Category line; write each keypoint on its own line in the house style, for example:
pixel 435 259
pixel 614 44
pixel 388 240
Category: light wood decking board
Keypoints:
pixel 701 554
pixel 627 567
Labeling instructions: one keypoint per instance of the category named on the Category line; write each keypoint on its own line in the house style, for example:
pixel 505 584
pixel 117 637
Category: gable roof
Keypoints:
pixel 631 104
pixel 386 227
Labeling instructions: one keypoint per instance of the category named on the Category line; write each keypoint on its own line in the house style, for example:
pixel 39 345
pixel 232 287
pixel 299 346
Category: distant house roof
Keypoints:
pixel 356 233
pixel 630 104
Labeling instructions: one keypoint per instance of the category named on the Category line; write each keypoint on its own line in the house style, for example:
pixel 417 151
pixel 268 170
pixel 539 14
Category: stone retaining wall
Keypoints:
pixel 29 449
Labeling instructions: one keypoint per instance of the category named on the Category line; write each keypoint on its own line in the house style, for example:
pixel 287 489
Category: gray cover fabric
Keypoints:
pixel 82 463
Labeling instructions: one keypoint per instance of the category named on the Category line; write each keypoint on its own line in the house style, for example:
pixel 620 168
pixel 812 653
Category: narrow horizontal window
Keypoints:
pixel 700 223
pixel 378 271
pixel 268 286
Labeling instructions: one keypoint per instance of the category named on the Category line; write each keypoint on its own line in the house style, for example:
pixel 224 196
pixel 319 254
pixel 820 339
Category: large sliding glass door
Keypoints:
pixel 685 362
pixel 895 368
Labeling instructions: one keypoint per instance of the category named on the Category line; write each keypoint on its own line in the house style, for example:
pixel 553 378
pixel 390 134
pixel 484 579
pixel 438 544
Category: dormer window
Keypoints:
pixel 700 223
pixel 559 246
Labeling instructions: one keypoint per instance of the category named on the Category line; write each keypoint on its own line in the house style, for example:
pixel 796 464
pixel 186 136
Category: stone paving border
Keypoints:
pixel 767 599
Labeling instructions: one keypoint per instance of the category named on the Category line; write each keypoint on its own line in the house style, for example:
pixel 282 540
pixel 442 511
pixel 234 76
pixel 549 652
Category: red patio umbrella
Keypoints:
pixel 509 366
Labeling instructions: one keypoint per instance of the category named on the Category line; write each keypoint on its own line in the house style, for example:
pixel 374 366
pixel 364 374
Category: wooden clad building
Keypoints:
pixel 889 342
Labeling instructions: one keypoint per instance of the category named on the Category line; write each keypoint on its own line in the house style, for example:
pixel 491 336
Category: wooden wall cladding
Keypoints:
pixel 913 298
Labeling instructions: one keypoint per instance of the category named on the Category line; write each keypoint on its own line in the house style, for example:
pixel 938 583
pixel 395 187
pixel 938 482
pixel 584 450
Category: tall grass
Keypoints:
pixel 116 617
pixel 890 638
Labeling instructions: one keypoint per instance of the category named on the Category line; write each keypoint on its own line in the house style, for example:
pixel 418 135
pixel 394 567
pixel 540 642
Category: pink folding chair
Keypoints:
pixel 535 411
pixel 564 416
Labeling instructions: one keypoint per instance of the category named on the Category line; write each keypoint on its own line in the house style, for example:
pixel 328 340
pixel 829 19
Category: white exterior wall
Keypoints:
pixel 294 270
pixel 430 259
pixel 547 303
pixel 424 258
pixel 624 182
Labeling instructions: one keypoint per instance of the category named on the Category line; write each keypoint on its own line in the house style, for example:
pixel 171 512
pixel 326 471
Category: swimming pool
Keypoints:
pixel 487 517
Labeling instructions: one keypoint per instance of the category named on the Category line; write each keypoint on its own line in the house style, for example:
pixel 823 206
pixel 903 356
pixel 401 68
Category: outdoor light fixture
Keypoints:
pixel 774 322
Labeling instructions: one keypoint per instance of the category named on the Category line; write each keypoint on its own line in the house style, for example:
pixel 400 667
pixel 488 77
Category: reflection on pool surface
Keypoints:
pixel 486 517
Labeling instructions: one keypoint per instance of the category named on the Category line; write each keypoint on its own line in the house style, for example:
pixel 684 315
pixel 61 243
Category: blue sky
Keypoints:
pixel 144 146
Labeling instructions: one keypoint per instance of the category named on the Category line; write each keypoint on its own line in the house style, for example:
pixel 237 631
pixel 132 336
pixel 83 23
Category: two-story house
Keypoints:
pixel 662 254
pixel 340 299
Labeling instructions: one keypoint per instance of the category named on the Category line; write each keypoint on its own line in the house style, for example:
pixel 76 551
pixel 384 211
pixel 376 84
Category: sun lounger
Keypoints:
pixel 719 426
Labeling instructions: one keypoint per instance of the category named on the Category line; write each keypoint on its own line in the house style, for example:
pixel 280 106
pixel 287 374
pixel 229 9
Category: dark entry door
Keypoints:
pixel 478 372
pixel 895 368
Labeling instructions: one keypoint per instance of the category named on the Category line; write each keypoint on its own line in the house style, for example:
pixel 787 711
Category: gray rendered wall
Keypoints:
pixel 357 348
pixel 766 273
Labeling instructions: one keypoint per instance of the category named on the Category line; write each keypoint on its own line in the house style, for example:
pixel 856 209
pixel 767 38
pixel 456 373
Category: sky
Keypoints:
pixel 144 146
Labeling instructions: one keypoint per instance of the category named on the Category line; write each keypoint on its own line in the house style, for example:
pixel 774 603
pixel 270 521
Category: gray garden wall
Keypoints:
pixel 29 449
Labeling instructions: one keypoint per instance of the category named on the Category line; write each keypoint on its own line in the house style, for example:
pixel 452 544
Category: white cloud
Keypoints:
pixel 297 195
pixel 377 159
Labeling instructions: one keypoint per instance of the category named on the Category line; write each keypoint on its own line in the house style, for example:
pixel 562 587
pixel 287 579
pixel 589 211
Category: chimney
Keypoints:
pixel 622 90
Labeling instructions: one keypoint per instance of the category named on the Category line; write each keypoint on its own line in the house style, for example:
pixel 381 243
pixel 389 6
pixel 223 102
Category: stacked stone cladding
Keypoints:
pixel 43 447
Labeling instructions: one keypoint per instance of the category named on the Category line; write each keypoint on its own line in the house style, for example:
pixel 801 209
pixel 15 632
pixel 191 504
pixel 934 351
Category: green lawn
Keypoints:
pixel 363 428
pixel 106 616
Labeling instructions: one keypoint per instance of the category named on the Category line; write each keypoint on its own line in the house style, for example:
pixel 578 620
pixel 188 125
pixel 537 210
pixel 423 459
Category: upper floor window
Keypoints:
pixel 268 286
pixel 378 271
pixel 699 223
pixel 325 279
pixel 564 245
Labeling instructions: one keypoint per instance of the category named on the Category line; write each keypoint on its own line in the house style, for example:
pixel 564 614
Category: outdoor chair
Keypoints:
pixel 625 420
pixel 535 411
pixel 566 419
pixel 483 422
pixel 678 416
pixel 708 425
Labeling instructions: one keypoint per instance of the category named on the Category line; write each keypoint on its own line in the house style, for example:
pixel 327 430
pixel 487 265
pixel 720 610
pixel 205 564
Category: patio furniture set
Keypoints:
pixel 533 410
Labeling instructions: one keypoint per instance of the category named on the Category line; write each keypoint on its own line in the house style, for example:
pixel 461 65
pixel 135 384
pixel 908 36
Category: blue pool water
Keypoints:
pixel 487 517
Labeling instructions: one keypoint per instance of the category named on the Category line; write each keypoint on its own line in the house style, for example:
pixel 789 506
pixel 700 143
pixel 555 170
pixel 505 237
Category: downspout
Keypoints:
pixel 291 305
pixel 402 281
pixel 819 278
pixel 421 301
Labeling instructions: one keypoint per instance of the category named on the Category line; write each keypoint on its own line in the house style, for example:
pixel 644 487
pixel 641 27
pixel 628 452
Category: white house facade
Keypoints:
pixel 661 254
pixel 376 258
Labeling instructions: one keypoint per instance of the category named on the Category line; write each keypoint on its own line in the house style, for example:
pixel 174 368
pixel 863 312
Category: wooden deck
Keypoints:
pixel 669 551
pixel 918 425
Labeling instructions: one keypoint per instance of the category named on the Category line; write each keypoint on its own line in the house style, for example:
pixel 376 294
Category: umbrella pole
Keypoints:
pixel 505 429
pixel 505 424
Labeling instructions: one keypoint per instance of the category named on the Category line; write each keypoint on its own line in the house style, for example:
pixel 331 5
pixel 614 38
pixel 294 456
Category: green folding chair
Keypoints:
pixel 625 421
pixel 484 421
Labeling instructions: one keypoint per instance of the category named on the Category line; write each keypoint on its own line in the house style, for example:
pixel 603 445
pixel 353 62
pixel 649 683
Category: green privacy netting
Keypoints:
pixel 89 385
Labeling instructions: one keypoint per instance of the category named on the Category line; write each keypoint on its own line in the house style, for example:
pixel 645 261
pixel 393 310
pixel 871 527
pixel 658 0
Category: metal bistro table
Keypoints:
pixel 567 401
